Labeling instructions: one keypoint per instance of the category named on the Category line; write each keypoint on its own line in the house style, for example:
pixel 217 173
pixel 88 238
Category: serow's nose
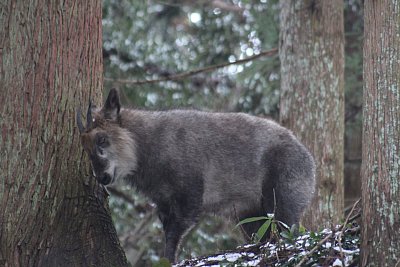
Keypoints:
pixel 105 179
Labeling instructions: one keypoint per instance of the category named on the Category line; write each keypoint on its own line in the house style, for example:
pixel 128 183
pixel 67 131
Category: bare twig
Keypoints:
pixel 139 208
pixel 134 236
pixel 122 195
pixel 183 75
pixel 314 249
pixel 226 6
pixel 355 217
pixel 215 4
pixel 343 228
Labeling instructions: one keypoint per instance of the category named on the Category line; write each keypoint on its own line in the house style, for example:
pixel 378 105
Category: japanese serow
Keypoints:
pixel 190 163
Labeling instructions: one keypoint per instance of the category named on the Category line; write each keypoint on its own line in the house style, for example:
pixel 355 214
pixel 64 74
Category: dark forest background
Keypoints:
pixel 150 40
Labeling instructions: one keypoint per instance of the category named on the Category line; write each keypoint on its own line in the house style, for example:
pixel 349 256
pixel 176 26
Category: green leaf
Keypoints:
pixel 286 235
pixel 313 235
pixel 293 229
pixel 252 219
pixel 302 230
pixel 263 229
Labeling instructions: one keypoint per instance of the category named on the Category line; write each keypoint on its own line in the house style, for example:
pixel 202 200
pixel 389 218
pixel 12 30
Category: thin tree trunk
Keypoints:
pixel 381 135
pixel 52 211
pixel 312 95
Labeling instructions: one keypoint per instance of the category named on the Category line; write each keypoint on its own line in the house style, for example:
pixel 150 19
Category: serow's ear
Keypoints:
pixel 112 105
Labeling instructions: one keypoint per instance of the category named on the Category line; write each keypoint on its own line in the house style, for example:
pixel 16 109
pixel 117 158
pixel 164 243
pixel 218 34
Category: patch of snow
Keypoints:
pixel 247 246
pixel 348 259
pixel 288 247
pixel 253 262
pixel 303 237
pixel 337 234
pixel 326 231
pixel 269 246
pixel 216 258
pixel 232 257
pixel 327 245
pixel 302 253
pixel 346 251
pixel 337 262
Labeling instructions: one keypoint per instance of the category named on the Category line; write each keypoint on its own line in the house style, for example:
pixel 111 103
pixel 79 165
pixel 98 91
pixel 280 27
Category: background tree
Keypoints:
pixel 52 212
pixel 312 96
pixel 381 135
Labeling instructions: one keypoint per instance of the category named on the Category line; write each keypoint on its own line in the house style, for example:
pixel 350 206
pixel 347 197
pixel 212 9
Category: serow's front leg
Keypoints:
pixel 173 236
pixel 177 222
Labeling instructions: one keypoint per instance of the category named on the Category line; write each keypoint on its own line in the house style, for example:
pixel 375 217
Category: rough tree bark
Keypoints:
pixel 52 212
pixel 312 95
pixel 380 169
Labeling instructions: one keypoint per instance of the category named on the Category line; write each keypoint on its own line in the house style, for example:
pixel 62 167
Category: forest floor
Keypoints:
pixel 339 246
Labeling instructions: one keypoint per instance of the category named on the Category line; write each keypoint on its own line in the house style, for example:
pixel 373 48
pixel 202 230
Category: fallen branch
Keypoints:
pixel 320 243
pixel 183 75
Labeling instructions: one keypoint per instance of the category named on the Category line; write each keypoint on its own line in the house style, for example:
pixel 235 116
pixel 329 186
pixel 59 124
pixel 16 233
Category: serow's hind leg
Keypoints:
pixel 290 204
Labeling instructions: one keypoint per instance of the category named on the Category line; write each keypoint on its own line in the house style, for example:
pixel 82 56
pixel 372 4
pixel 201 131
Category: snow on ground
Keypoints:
pixel 331 252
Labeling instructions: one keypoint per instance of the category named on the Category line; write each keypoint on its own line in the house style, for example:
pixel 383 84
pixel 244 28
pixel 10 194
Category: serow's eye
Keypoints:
pixel 101 141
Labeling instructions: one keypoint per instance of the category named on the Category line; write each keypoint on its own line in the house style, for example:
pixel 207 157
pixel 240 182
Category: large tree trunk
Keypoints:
pixel 52 212
pixel 381 135
pixel 312 95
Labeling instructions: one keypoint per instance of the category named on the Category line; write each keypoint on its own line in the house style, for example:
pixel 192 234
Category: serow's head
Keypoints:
pixel 110 147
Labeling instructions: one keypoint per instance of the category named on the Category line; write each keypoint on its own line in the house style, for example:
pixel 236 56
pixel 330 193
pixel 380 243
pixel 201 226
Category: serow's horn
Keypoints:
pixel 79 121
pixel 89 115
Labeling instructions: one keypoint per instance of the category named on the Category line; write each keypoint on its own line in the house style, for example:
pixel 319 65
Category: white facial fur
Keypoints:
pixel 121 155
